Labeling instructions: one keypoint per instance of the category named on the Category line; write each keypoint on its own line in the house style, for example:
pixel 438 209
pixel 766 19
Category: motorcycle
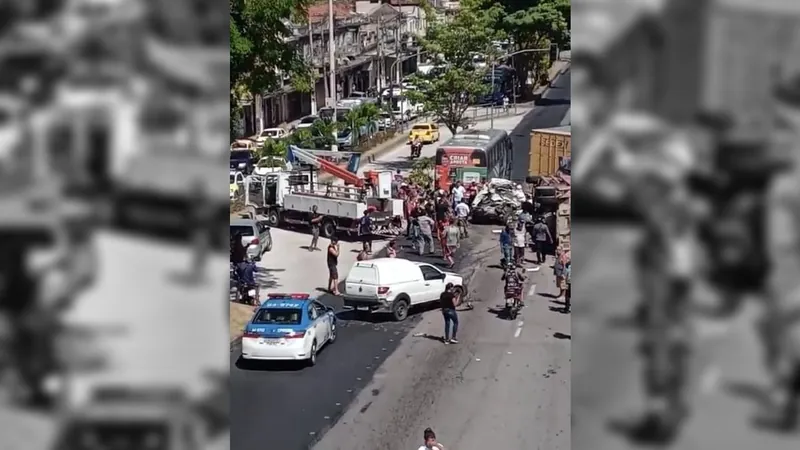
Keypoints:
pixel 416 150
pixel 247 293
pixel 512 306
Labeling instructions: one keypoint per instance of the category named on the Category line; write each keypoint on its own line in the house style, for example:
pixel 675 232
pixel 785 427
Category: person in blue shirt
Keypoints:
pixel 506 245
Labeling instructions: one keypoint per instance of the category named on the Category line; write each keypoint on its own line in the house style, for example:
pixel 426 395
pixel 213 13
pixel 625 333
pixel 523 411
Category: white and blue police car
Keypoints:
pixel 288 327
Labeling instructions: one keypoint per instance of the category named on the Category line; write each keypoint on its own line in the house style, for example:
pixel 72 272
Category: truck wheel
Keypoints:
pixel 328 229
pixel 273 218
pixel 400 309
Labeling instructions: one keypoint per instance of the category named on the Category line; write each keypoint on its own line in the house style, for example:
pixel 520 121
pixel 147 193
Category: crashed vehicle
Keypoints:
pixel 499 200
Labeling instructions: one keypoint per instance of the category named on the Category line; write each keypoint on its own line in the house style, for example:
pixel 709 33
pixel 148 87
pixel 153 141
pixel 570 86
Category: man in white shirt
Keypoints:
pixel 458 193
pixel 462 213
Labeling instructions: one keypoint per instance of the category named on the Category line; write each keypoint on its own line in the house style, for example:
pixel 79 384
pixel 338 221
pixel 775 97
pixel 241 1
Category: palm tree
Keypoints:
pixel 302 138
pixel 355 121
pixel 275 151
pixel 322 132
pixel 371 112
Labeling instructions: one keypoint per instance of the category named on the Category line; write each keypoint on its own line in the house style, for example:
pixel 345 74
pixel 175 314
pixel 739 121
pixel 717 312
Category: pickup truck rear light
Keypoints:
pixel 251 335
pixel 383 290
pixel 295 335
pixel 254 241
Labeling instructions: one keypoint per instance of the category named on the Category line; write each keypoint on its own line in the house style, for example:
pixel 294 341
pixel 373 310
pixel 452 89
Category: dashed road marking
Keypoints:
pixel 532 290
pixel 519 329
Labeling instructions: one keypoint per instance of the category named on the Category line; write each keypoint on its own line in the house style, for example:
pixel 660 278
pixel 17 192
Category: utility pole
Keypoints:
pixel 491 113
pixel 332 46
pixel 314 83
pixel 380 61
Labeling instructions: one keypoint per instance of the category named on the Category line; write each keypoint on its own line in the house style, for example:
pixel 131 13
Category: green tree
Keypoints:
pixel 422 172
pixel 323 131
pixel 537 26
pixel 446 96
pixel 258 34
pixel 275 150
pixel 354 120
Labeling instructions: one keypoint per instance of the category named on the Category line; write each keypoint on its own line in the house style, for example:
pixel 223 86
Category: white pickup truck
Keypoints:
pixel 395 285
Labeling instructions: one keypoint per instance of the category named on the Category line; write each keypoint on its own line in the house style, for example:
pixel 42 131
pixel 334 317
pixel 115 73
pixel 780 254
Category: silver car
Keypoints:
pixel 253 232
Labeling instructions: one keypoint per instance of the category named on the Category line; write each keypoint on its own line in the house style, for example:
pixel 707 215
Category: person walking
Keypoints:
pixel 365 230
pixel 568 292
pixel 506 245
pixel 462 217
pixel 448 302
pixel 452 237
pixel 559 270
pixel 430 442
pixel 333 266
pixel 541 238
pixel 426 225
pixel 316 220
pixel 519 243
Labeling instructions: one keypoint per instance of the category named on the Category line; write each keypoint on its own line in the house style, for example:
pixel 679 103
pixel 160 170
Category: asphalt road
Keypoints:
pixel 293 406
pixel 549 112
pixel 727 380
pixel 506 384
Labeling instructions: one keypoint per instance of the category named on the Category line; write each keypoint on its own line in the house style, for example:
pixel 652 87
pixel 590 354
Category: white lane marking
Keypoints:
pixel 497 231
pixel 710 380
pixel 519 329
pixel 532 290
pixel 532 269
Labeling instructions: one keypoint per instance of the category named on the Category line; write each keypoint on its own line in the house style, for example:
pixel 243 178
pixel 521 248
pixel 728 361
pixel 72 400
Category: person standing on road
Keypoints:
pixel 430 441
pixel 506 245
pixel 333 266
pixel 316 220
pixel 365 230
pixel 452 235
pixel 519 243
pixel 568 292
pixel 541 238
pixel 458 194
pixel 448 302
pixel 426 225
pixel 559 270
pixel 462 216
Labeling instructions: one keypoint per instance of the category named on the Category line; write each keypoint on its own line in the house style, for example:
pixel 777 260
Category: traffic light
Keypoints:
pixel 553 52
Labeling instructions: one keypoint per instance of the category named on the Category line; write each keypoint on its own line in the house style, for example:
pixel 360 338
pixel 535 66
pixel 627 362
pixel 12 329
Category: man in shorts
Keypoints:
pixel 333 266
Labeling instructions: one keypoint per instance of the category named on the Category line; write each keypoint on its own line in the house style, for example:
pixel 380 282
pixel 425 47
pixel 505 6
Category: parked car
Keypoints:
pixel 306 122
pixel 242 161
pixel 289 327
pixel 395 284
pixel 254 232
pixel 385 121
pixel 271 164
pixel 270 133
pixel 243 144
pixel 237 183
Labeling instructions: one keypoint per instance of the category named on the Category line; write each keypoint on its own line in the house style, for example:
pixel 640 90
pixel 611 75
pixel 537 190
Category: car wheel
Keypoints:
pixel 400 310
pixel 312 357
pixel 268 246
pixel 333 334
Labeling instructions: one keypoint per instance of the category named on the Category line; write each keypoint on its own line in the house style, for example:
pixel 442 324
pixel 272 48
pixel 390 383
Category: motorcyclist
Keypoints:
pixel 416 146
pixel 514 279
pixel 245 269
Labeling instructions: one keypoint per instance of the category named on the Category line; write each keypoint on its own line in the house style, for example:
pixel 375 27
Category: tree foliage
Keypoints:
pixel 537 26
pixel 447 95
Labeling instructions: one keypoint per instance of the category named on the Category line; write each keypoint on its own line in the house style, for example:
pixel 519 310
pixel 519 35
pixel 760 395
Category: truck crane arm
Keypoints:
pixel 308 157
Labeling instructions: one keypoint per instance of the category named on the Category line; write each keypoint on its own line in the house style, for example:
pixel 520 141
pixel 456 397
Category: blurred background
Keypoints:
pixel 686 204
pixel 113 136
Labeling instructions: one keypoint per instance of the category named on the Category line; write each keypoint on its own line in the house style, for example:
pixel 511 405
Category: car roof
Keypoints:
pixel 387 263
pixel 287 303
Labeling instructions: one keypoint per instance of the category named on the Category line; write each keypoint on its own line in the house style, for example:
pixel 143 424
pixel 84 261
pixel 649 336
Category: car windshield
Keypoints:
pixel 421 127
pixel 233 178
pixel 92 435
pixel 386 115
pixel 244 230
pixel 269 133
pixel 240 155
pixel 278 316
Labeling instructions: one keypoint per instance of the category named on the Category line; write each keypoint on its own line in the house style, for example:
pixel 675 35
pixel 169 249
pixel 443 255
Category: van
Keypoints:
pixel 394 285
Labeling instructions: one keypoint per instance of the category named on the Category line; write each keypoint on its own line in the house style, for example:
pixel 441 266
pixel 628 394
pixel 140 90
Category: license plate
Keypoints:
pixel 268 341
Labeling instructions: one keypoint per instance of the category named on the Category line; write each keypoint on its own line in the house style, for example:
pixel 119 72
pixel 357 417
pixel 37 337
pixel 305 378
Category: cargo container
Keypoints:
pixel 550 148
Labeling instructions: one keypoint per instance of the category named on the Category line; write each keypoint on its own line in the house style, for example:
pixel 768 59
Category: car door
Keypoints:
pixel 324 319
pixel 433 282
pixel 264 237
pixel 315 324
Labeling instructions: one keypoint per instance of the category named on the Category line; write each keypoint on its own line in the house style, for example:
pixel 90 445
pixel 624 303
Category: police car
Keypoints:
pixel 288 327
